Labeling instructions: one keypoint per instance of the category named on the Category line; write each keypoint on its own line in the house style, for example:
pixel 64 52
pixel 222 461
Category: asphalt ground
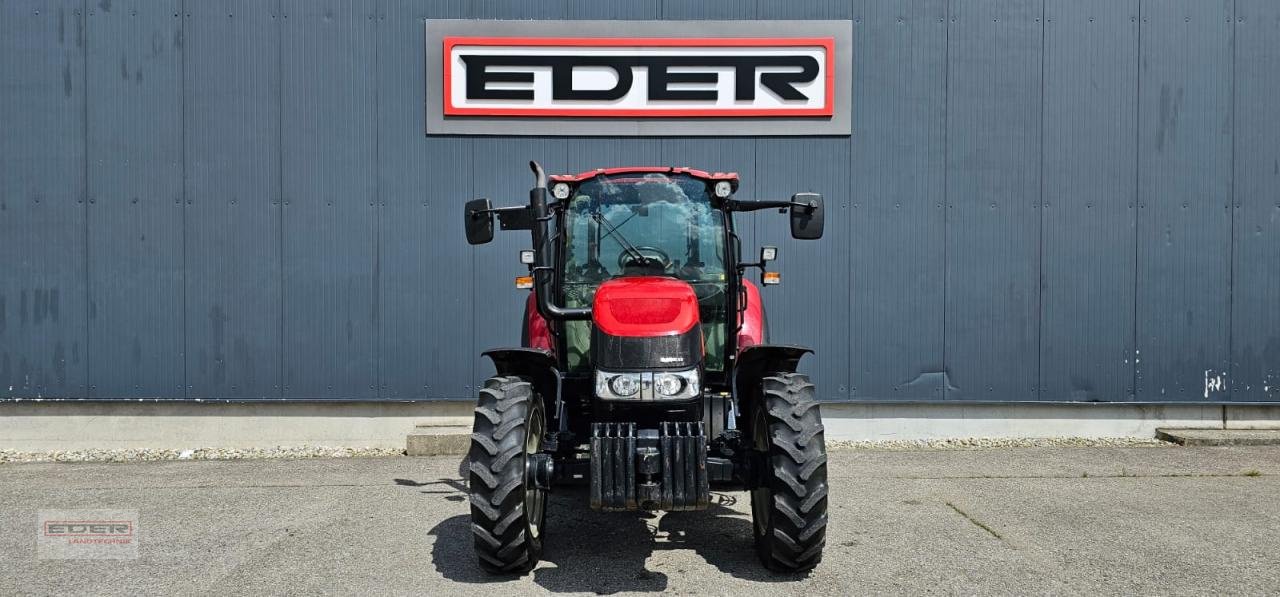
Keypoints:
pixel 1159 520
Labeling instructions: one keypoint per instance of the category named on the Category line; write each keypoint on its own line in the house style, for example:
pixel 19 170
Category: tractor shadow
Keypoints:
pixel 608 552
pixel 722 536
pixel 583 550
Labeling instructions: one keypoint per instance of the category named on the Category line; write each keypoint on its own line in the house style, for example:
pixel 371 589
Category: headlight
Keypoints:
pixel 624 385
pixel 666 384
pixel 661 385
pixel 617 385
pixel 677 384
pixel 723 189
pixel 560 190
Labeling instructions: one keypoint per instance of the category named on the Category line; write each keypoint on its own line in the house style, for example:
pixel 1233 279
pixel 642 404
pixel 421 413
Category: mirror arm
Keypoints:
pixel 477 213
pixel 736 205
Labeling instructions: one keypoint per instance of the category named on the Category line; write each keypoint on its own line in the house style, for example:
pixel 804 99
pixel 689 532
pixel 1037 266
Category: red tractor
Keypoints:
pixel 645 369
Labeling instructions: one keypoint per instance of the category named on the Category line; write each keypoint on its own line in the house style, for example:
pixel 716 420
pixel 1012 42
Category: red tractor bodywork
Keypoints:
pixel 753 329
pixel 645 306
pixel 732 177
pixel 537 334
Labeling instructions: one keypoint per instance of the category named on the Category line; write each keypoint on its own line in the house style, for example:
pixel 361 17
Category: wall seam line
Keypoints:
pixel 1137 201
pixel 851 368
pixel 186 354
pixel 1039 387
pixel 377 218
pixel 88 198
pixel 280 183
pixel 946 205
pixel 1232 208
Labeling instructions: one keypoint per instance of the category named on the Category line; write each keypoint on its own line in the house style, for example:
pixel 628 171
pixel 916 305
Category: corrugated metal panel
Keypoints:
pixel 136 207
pixel 426 302
pixel 810 308
pixel 947 113
pixel 896 239
pixel 1184 193
pixel 707 9
pixel 1090 137
pixel 805 9
pixel 993 196
pixel 517 9
pixel 328 158
pixel 632 9
pixel 42 193
pixel 1255 319
pixel 232 107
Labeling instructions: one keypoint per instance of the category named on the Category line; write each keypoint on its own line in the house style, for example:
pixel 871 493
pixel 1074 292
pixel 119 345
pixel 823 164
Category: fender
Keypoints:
pixel 755 362
pixel 768 358
pixel 536 365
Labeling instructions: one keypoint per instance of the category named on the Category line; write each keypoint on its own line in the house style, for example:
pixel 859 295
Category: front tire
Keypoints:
pixel 789 502
pixel 507 508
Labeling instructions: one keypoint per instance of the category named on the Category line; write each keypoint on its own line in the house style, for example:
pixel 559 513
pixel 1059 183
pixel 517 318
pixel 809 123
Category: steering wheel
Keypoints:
pixel 628 258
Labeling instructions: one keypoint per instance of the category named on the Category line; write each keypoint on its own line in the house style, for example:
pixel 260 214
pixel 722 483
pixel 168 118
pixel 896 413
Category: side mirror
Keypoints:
pixel 806 219
pixel 478 219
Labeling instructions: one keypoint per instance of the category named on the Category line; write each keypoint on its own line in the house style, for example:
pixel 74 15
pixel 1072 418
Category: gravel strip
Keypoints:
pixel 144 454
pixel 978 443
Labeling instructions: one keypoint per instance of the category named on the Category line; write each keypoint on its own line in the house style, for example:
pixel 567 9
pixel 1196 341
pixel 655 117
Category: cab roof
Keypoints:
pixel 732 177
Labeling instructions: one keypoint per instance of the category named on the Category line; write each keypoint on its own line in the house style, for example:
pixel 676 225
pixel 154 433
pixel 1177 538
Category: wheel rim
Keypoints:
pixel 535 500
pixel 762 495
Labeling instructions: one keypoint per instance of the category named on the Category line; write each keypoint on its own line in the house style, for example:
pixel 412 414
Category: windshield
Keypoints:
pixel 645 224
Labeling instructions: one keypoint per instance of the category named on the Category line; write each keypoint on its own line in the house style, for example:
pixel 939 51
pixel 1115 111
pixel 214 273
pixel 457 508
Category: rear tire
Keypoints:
pixel 789 504
pixel 507 509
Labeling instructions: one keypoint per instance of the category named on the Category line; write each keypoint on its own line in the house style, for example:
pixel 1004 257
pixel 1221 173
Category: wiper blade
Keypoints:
pixel 626 245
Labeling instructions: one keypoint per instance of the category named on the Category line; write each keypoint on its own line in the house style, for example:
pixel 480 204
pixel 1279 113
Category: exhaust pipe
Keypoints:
pixel 543 269
pixel 539 177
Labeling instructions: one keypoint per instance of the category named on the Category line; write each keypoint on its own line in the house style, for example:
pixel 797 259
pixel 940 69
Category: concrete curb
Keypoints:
pixel 1220 437
pixel 438 441
pixel 61 426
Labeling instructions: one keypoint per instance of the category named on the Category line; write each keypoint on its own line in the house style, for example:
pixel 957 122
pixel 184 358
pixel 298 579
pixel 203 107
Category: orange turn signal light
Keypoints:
pixel 524 282
pixel 771 278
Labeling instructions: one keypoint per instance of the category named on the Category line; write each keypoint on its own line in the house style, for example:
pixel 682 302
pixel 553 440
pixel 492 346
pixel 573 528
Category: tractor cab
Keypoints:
pixel 638 225
pixel 645 370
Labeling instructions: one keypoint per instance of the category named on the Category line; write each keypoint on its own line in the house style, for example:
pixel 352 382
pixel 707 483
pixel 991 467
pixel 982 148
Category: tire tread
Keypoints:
pixel 797 475
pixel 496 476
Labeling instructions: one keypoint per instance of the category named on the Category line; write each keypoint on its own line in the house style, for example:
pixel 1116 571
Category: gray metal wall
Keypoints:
pixel 1052 200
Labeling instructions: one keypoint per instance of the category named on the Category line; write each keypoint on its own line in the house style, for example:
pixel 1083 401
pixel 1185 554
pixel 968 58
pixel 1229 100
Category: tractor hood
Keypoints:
pixel 645 307
pixel 646 323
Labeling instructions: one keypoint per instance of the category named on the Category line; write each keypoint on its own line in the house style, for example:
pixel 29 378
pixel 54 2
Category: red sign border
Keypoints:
pixel 827 109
